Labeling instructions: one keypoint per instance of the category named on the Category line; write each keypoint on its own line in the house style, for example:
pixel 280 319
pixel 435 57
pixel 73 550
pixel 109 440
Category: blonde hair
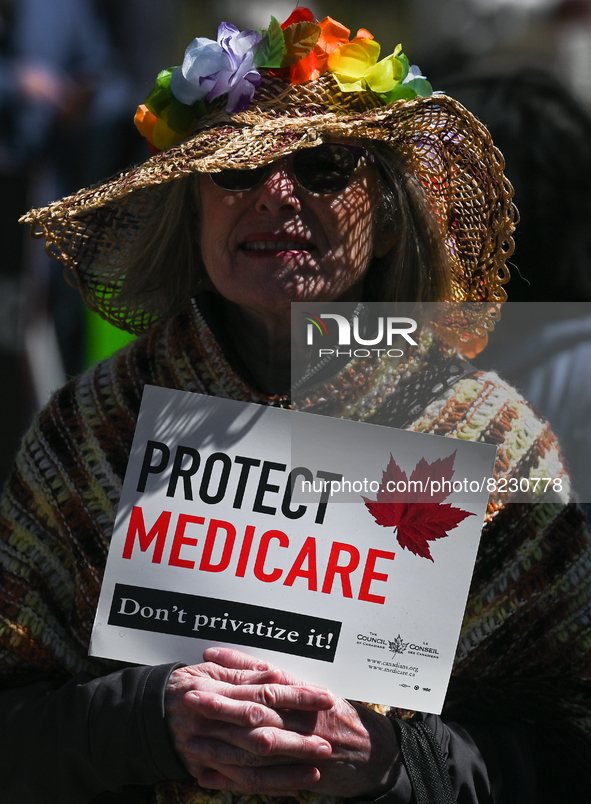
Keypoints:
pixel 417 268
pixel 166 268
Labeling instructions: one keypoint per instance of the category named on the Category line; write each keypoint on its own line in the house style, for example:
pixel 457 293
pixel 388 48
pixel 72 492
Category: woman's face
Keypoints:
pixel 278 243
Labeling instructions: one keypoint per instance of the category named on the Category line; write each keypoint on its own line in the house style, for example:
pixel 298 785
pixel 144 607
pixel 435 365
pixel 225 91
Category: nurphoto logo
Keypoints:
pixel 380 334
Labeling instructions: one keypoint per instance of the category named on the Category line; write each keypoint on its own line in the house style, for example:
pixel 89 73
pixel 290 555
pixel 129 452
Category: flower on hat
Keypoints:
pixel 226 67
pixel 333 36
pixel 299 50
pixel 287 45
pixel 203 58
pixel 355 67
pixel 164 120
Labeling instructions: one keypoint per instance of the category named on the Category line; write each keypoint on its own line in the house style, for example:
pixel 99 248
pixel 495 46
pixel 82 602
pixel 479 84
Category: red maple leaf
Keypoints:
pixel 400 504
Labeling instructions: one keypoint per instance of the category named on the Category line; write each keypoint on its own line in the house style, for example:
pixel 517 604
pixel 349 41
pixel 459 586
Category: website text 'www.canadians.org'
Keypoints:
pixel 433 487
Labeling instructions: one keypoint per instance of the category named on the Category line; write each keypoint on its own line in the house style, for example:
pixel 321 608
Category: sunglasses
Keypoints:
pixel 324 170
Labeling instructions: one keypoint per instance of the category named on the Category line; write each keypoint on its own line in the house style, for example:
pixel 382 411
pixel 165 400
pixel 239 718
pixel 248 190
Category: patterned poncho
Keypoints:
pixel 526 637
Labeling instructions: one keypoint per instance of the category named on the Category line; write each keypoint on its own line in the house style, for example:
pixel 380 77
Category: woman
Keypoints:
pixel 327 176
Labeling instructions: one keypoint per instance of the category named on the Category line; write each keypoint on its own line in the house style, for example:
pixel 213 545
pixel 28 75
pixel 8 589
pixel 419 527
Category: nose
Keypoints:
pixel 278 193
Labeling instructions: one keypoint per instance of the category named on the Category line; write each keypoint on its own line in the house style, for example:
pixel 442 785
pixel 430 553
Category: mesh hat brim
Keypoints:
pixel 93 231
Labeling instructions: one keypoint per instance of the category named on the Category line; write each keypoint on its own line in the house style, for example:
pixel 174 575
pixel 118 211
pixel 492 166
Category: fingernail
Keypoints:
pixel 323 750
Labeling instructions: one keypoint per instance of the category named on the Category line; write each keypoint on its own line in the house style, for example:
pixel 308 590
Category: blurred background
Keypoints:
pixel 72 73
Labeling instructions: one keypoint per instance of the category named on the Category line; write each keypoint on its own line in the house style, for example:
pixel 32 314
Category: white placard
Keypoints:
pixel 219 541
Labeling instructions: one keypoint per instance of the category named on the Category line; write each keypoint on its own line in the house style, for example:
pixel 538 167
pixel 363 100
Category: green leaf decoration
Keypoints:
pixel 269 53
pixel 402 58
pixel 421 86
pixel 400 92
pixel 159 97
pixel 300 39
pixel 181 116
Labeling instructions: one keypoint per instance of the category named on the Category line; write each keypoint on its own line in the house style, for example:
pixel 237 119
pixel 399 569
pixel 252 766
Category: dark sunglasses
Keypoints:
pixel 325 169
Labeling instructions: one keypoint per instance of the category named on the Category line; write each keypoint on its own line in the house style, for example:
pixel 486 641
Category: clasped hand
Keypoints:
pixel 243 725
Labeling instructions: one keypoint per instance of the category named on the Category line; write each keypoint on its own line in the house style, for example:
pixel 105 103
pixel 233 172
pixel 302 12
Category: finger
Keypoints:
pixel 235 659
pixel 283 780
pixel 281 696
pixel 203 752
pixel 216 702
pixel 216 672
pixel 235 675
pixel 238 712
pixel 265 741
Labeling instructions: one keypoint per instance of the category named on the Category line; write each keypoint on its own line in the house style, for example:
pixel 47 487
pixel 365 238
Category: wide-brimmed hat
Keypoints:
pixel 254 97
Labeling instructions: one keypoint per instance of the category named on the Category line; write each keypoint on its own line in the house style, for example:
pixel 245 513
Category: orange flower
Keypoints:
pixel 333 36
pixel 156 130
pixel 145 122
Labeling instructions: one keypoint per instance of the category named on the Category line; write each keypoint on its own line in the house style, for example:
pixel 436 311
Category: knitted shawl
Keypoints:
pixel 524 644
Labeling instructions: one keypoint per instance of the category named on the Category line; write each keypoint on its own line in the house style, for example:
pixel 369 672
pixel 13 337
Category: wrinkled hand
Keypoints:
pixel 233 716
pixel 246 726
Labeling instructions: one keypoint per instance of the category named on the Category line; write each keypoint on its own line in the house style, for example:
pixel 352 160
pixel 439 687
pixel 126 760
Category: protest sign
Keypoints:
pixel 338 550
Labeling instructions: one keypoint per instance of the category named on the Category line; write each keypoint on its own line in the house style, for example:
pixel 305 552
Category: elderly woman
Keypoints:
pixel 289 165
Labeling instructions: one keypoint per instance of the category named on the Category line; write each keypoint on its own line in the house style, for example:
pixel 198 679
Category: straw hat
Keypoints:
pixel 273 92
